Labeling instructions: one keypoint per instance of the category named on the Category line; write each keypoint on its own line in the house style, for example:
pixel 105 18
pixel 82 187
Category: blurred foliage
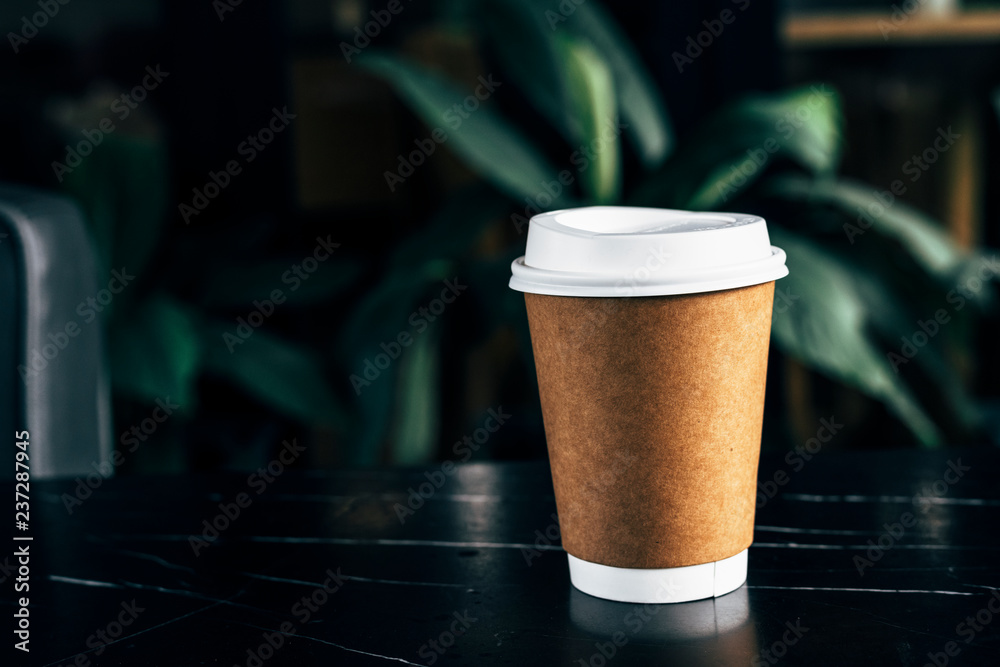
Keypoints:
pixel 860 282
pixel 852 295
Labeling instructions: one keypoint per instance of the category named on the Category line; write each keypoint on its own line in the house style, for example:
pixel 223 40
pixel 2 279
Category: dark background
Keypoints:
pixel 323 177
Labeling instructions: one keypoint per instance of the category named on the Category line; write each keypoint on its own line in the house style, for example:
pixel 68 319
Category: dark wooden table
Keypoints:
pixel 890 558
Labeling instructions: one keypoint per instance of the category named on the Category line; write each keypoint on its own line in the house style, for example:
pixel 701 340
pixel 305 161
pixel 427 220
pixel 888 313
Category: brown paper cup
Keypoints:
pixel 650 332
pixel 652 409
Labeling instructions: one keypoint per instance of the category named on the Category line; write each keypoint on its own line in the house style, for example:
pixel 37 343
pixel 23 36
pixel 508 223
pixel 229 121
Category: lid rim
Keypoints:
pixel 534 280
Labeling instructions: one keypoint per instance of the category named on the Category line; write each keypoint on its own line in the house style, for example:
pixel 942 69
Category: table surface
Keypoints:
pixel 327 568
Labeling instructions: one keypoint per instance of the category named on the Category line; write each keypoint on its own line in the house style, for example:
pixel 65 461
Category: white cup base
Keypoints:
pixel 659 585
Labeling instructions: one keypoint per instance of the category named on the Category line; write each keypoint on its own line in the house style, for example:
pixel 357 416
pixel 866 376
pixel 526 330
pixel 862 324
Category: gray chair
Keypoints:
pixel 55 384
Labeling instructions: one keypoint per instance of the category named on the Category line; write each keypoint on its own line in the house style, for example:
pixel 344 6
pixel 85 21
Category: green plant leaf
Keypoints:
pixel 277 372
pixel 731 150
pixel 638 98
pixel 122 186
pixel 155 351
pixel 824 321
pixel 371 415
pixel 454 227
pixel 867 216
pixel 415 425
pixel 383 311
pixel 590 90
pixel 383 314
pixel 896 321
pixel 525 45
pixel 485 139
pixel 568 81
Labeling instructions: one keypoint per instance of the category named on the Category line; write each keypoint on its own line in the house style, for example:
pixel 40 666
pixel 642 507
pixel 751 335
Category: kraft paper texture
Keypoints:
pixel 653 409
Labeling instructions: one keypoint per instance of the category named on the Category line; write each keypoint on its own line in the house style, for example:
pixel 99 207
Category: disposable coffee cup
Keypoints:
pixel 650 332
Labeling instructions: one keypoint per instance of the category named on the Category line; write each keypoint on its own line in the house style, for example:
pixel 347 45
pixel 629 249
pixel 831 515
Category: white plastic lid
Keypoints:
pixel 626 251
pixel 661 585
